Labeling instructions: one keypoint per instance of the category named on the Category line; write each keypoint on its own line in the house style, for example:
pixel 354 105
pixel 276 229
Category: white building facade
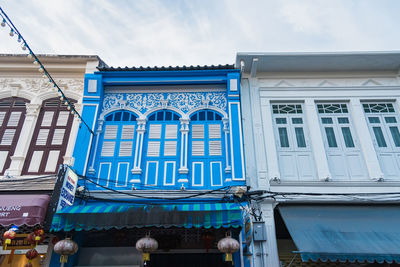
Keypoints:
pixel 322 143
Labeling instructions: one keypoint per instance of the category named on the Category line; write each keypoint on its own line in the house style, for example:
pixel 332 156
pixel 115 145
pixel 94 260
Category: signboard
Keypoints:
pixel 19 242
pixel 68 188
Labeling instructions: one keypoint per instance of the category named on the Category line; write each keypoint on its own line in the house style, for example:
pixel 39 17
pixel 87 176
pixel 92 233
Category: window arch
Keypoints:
pixel 12 115
pixel 116 148
pixel 206 148
pixel 50 138
pixel 162 148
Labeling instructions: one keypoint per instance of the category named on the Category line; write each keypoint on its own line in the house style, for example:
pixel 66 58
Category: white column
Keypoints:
pixel 141 129
pixel 99 130
pixel 270 246
pixel 68 157
pixel 317 145
pixel 366 144
pixel 269 138
pixel 228 168
pixel 184 149
pixel 17 160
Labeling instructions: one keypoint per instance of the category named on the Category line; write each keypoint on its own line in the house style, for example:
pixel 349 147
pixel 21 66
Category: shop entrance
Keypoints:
pixel 188 259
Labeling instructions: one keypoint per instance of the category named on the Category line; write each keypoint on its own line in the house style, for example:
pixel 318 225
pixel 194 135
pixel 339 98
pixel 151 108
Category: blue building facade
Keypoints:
pixel 163 137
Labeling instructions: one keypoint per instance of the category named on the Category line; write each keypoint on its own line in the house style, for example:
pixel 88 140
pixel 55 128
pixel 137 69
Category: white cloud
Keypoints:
pixel 157 32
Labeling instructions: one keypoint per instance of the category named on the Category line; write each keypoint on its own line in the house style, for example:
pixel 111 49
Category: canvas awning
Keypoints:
pixel 103 216
pixel 20 210
pixel 345 233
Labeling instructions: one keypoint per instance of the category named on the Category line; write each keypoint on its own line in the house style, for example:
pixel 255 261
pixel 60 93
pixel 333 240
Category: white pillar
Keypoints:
pixel 366 144
pixel 228 168
pixel 270 246
pixel 17 160
pixel 68 157
pixel 183 169
pixel 269 138
pixel 317 145
pixel 141 129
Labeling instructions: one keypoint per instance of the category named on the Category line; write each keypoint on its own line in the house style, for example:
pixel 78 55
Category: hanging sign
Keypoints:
pixel 67 194
pixel 19 242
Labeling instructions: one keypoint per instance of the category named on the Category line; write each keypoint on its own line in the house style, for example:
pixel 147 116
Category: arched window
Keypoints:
pixel 206 148
pixel 116 149
pixel 162 149
pixel 12 115
pixel 50 138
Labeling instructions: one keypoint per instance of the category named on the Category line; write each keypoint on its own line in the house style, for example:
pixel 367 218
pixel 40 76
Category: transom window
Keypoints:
pixel 287 109
pixel 378 108
pixel 332 108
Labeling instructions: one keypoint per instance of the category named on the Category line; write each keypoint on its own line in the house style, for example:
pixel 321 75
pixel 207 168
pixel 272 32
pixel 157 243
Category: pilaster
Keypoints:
pixel 68 158
pixel 183 170
pixel 136 170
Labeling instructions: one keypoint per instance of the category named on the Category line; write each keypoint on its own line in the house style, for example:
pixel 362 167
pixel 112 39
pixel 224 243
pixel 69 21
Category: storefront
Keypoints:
pixel 24 213
pixel 107 232
pixel 349 235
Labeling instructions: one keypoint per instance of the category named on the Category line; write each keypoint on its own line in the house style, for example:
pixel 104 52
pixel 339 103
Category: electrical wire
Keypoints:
pixel 63 97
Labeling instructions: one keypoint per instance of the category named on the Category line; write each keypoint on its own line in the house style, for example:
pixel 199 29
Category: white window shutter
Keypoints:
pixel 47 118
pixel 171 131
pixel 36 159
pixel 170 148
pixel 214 131
pixel 58 137
pixel 125 149
pixel 42 137
pixel 155 131
pixel 108 149
pixel 197 148
pixel 215 148
pixel 198 131
pixel 62 119
pixel 111 132
pixel 14 118
pixel 8 137
pixel 128 131
pixel 2 115
pixel 153 149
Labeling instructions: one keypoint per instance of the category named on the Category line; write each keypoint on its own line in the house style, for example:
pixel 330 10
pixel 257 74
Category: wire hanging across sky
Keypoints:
pixel 6 21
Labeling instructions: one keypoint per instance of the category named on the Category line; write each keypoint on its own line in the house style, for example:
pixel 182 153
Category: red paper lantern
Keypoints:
pixel 8 236
pixel 31 254
pixel 36 237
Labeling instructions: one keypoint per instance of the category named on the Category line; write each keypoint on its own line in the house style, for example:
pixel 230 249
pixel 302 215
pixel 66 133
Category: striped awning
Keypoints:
pixel 103 216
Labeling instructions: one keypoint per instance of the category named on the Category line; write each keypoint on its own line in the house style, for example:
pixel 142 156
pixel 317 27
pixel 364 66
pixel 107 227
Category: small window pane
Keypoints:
pixel 330 136
pixel 109 117
pixel 160 116
pixel 390 119
pixel 297 121
pixel 176 117
pixel 374 120
pixel 283 137
pixel 343 120
pixel 194 117
pixel 396 135
pixel 348 139
pixel 327 120
pixel 202 116
pixel 280 120
pixel 117 116
pixel 125 117
pixel 210 115
pixel 217 117
pixel 301 142
pixel 152 117
pixel 168 116
pixel 380 139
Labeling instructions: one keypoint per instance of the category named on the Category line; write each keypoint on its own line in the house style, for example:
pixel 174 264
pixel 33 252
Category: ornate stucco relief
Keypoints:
pixel 38 86
pixel 182 101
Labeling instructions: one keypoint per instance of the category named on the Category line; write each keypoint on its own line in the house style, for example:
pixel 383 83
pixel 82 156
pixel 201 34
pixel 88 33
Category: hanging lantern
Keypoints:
pixel 65 248
pixel 146 245
pixel 36 237
pixel 8 236
pixel 228 245
pixel 31 254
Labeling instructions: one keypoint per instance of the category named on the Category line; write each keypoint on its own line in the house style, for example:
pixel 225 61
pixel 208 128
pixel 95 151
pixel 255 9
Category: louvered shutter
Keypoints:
pixel 171 131
pixel 198 148
pixel 42 137
pixel 14 119
pixel 153 149
pixel 8 137
pixel 2 115
pixel 111 132
pixel 155 131
pixel 170 148
pixel 62 118
pixel 214 131
pixel 198 131
pixel 58 137
pixel 125 149
pixel 128 131
pixel 47 118
pixel 215 148
pixel 108 149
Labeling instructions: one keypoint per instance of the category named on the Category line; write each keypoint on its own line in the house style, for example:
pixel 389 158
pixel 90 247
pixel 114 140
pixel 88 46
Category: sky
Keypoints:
pixel 199 32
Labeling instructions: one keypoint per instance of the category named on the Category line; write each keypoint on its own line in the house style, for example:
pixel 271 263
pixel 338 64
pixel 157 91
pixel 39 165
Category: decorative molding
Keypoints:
pixel 32 109
pixel 181 101
pixel 38 86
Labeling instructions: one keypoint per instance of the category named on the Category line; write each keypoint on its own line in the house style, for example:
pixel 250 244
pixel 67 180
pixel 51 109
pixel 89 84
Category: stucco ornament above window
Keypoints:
pixel 182 101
